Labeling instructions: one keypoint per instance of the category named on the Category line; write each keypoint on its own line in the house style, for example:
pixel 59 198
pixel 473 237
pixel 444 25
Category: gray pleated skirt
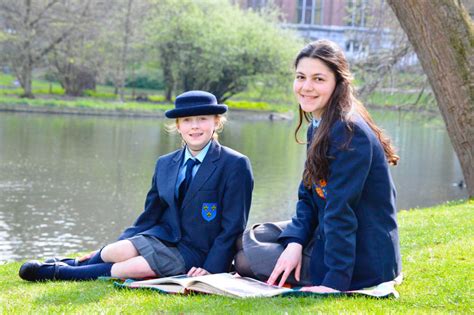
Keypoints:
pixel 163 260
pixel 261 248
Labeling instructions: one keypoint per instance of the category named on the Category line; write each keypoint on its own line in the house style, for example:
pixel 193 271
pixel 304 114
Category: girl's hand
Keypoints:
pixel 86 256
pixel 290 259
pixel 194 272
pixel 319 289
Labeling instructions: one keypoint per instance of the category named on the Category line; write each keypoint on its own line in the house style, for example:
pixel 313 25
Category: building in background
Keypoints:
pixel 350 23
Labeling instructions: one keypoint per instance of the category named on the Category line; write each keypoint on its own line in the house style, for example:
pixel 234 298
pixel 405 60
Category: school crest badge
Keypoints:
pixel 320 189
pixel 209 211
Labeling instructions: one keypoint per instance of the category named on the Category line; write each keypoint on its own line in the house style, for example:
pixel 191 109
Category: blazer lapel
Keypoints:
pixel 205 171
pixel 170 178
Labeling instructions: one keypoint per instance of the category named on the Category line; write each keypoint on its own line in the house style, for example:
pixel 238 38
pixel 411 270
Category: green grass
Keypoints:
pixel 43 89
pixel 88 103
pixel 101 104
pixel 402 100
pixel 6 80
pixel 438 264
pixel 257 106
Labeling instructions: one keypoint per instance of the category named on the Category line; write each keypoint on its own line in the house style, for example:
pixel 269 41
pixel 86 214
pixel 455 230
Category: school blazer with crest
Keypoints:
pixel 204 239
pixel 351 217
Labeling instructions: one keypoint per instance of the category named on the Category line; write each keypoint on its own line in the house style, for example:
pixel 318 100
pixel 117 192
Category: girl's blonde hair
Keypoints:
pixel 221 120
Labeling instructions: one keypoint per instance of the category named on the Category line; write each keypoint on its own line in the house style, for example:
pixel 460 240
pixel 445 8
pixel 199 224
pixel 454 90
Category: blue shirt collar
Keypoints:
pixel 315 122
pixel 201 155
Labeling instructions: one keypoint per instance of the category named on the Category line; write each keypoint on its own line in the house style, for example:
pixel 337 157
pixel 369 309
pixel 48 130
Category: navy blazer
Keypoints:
pixel 205 238
pixel 352 217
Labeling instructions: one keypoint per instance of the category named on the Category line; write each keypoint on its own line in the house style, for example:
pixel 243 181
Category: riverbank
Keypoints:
pixel 437 245
pixel 97 107
pixel 90 107
pixel 275 104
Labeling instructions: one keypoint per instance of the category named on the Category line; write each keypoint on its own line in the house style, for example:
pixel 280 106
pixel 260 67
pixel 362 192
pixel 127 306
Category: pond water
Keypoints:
pixel 73 183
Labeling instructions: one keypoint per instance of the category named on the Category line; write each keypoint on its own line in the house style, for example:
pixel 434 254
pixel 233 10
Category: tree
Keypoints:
pixel 442 35
pixel 380 51
pixel 34 28
pixel 77 60
pixel 215 46
pixel 124 39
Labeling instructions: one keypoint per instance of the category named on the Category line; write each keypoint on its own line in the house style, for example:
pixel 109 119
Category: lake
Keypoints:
pixel 73 183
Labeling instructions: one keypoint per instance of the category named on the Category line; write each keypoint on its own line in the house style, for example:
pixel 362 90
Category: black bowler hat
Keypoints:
pixel 195 103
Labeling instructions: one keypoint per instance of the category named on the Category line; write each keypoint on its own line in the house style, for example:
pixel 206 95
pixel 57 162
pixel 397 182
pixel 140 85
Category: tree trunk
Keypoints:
pixel 26 68
pixel 123 57
pixel 442 35
pixel 166 56
pixel 26 80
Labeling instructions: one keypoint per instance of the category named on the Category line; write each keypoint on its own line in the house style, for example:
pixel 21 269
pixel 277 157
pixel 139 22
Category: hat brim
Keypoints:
pixel 196 111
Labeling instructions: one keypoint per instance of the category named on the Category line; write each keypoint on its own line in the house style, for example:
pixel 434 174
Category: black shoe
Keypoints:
pixel 68 261
pixel 29 270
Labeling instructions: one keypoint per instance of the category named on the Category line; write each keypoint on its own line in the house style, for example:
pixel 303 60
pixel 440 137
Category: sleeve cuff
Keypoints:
pixel 287 240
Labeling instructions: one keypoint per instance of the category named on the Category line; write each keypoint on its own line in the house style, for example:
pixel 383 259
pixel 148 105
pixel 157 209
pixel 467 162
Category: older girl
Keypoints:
pixel 344 234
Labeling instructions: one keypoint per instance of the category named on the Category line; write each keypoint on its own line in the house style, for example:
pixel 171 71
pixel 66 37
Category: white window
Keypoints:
pixel 310 12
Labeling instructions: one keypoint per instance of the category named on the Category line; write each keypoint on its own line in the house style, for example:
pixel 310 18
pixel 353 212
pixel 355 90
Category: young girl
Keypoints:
pixel 344 235
pixel 197 206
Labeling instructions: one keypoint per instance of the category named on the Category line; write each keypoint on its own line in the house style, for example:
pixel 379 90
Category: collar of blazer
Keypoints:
pixel 204 172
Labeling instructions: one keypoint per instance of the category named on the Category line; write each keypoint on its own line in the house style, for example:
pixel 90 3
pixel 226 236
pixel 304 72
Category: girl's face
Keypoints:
pixel 196 131
pixel 313 86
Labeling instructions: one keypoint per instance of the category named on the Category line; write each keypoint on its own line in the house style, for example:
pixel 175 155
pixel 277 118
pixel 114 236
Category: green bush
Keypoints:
pixel 156 98
pixel 99 94
pixel 17 91
pixel 248 105
pixel 55 90
pixel 145 82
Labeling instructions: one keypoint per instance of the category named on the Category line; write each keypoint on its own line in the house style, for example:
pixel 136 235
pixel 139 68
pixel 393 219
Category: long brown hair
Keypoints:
pixel 341 106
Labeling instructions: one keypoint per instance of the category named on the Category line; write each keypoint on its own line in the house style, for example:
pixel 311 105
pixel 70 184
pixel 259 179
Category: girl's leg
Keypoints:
pixel 118 252
pixel 89 272
pixel 36 271
pixel 241 263
pixel 136 267
pixel 115 252
pixel 261 250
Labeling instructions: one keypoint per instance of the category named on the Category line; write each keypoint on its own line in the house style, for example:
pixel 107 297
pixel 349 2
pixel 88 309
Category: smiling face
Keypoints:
pixel 313 86
pixel 196 131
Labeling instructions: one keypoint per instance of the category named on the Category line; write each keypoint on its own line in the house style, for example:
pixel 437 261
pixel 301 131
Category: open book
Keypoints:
pixel 241 287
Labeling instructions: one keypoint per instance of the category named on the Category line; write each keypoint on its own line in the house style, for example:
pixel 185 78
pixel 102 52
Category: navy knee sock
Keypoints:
pixel 89 272
pixel 70 262
pixel 96 259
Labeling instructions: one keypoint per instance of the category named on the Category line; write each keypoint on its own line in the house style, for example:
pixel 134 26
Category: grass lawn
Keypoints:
pixel 438 264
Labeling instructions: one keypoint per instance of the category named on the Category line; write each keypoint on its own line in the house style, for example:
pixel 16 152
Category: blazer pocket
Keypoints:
pixel 209 206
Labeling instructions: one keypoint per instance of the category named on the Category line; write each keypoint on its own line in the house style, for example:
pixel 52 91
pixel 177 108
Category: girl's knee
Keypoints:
pixel 242 265
pixel 118 251
pixel 107 253
pixel 238 243
pixel 136 267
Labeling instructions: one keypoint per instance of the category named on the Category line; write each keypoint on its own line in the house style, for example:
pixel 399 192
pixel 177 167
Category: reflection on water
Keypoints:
pixel 71 184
